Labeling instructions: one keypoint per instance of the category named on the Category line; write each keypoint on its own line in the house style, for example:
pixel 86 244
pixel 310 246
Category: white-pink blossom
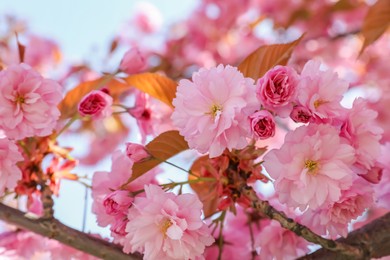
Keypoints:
pixel 9 172
pixel 363 133
pixel 28 102
pixel 166 226
pixel 212 110
pixel 312 167
pixel 334 219
pixel 321 92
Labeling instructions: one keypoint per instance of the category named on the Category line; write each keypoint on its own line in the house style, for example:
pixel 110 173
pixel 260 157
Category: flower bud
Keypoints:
pixel 300 114
pixel 136 152
pixel 262 124
pixel 132 62
pixel 96 104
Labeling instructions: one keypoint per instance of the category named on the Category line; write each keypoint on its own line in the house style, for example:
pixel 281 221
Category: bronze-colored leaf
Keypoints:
pixel 21 49
pixel 206 191
pixel 157 86
pixel 376 22
pixel 163 147
pixel 68 106
pixel 267 57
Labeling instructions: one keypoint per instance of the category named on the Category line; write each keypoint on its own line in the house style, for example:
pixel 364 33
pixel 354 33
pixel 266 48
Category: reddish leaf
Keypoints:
pixel 206 191
pixel 163 147
pixel 267 57
pixel 157 86
pixel 21 49
pixel 376 22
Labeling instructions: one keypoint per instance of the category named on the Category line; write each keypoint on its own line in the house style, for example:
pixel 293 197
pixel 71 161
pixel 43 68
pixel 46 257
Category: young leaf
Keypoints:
pixel 376 22
pixel 206 191
pixel 21 49
pixel 161 148
pixel 267 57
pixel 157 86
pixel 68 106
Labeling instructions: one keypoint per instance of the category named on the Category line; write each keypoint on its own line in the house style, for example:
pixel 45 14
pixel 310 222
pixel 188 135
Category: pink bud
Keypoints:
pixel 300 114
pixel 262 124
pixel 132 62
pixel 136 152
pixel 117 202
pixel 96 104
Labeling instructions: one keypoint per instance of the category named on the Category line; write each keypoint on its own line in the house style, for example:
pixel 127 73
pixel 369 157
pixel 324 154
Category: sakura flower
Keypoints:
pixel 336 217
pixel 277 89
pixel 28 102
pixel 132 62
pixel 312 167
pixel 165 226
pixel 382 190
pixel 108 198
pixel 96 104
pixel 9 172
pixel 262 124
pixel 278 243
pixel 321 92
pixel 211 111
pixel 363 133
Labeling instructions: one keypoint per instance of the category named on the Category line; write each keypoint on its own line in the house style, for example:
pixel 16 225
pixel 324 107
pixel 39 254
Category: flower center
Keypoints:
pixel 165 224
pixel 312 167
pixel 319 102
pixel 216 110
pixel 19 99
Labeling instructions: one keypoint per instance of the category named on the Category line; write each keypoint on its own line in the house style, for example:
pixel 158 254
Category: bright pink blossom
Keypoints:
pixel 132 62
pixel 106 189
pixel 28 102
pixel 211 111
pixel 136 152
pixel 262 124
pixel 300 114
pixel 277 89
pixel 382 190
pixel 363 134
pixel 96 104
pixel 9 172
pixel 165 226
pixel 278 243
pixel 312 167
pixel 335 218
pixel 321 92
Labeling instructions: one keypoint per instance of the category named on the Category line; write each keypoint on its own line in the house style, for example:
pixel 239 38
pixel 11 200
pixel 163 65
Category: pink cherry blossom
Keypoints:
pixel 136 152
pixel 9 172
pixel 132 62
pixel 321 91
pixel 382 190
pixel 106 188
pixel 277 88
pixel 28 102
pixel 335 218
pixel 312 167
pixel 211 111
pixel 278 243
pixel 165 226
pixel 262 124
pixel 96 104
pixel 363 133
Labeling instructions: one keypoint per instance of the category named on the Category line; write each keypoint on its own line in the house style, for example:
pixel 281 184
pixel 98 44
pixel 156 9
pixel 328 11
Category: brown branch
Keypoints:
pixel 47 201
pixel 288 223
pixel 54 229
pixel 373 237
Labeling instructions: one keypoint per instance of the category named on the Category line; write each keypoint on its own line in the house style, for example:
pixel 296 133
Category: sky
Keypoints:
pixel 80 27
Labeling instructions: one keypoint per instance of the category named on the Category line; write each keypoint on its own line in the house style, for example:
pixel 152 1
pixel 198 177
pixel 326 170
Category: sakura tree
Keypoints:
pixel 240 137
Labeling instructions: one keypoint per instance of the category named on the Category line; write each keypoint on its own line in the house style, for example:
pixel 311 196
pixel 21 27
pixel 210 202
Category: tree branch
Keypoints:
pixel 54 229
pixel 288 223
pixel 374 238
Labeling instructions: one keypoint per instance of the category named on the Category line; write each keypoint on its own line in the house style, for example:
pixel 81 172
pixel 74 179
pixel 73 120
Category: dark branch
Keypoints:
pixel 54 229
pixel 288 223
pixel 374 238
